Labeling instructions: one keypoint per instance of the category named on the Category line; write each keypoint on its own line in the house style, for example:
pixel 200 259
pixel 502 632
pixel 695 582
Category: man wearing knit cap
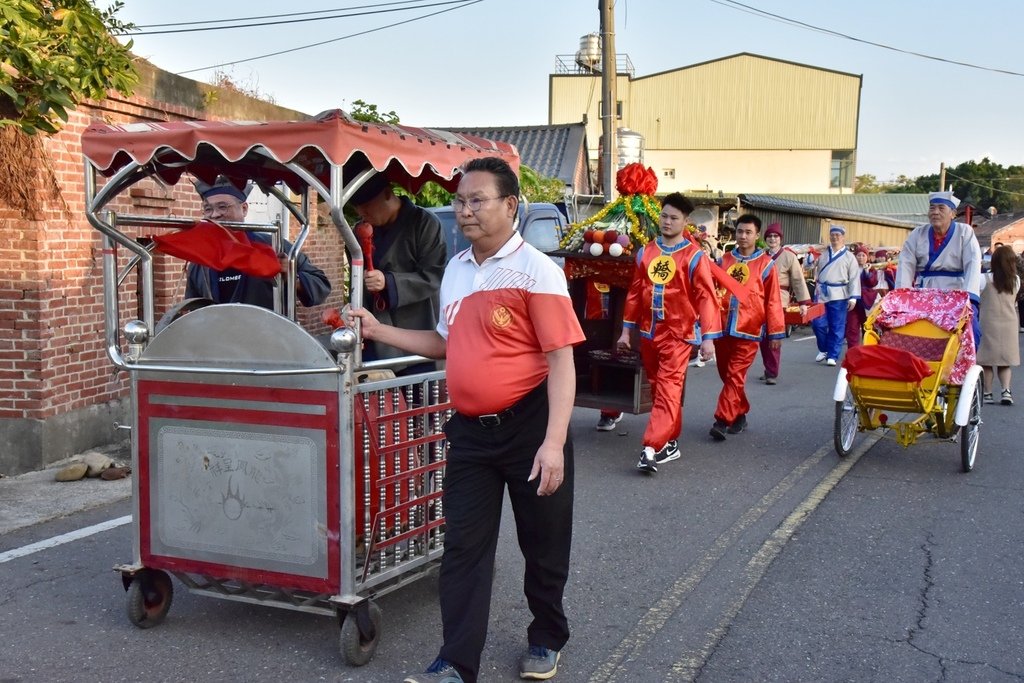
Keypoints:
pixel 409 258
pixel 837 278
pixel 943 254
pixel 224 202
pixel 794 290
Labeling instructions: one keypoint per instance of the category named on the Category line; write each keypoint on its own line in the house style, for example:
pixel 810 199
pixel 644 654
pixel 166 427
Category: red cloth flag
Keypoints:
pixel 211 244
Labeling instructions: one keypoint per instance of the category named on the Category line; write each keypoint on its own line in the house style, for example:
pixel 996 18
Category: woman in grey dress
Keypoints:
pixel 999 350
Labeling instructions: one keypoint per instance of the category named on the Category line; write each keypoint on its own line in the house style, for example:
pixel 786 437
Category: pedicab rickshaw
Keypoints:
pixel 265 472
pixel 914 374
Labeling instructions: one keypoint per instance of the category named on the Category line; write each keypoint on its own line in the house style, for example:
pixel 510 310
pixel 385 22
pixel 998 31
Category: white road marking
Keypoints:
pixel 660 612
pixel 651 623
pixel 70 536
pixel 689 667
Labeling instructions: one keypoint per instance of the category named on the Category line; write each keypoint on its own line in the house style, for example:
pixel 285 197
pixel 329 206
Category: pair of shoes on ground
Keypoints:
pixel 1006 398
pixel 607 423
pixel 768 380
pixel 823 356
pixel 720 428
pixel 650 459
pixel 538 664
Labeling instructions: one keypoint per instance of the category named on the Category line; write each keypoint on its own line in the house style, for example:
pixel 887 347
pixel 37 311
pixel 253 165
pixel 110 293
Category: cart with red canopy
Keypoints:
pixel 266 472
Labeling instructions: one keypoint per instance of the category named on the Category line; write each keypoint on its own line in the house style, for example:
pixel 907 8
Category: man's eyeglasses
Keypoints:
pixel 474 204
pixel 210 209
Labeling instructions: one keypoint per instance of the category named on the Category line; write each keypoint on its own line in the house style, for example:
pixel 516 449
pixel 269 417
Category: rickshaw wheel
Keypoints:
pixel 970 432
pixel 149 597
pixel 845 425
pixel 355 647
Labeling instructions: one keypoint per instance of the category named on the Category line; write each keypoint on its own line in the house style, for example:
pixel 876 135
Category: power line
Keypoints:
pixel 332 40
pixel 292 21
pixel 987 187
pixel 273 16
pixel 733 4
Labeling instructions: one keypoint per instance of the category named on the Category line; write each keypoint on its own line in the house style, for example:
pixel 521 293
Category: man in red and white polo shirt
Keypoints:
pixel 507 329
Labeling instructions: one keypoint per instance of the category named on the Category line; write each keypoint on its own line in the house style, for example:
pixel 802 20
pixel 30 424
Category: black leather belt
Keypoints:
pixel 494 419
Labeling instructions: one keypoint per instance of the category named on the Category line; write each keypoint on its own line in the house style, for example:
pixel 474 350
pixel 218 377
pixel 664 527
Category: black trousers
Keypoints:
pixel 482 462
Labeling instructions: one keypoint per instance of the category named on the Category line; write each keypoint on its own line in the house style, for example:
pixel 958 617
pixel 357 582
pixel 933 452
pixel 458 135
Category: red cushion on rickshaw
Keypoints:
pixel 885 362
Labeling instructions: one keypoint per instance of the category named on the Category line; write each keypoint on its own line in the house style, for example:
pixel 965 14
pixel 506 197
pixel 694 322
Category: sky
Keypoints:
pixel 487 62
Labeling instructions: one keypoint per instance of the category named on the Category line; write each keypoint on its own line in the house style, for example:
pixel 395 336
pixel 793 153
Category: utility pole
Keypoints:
pixel 942 177
pixel 609 75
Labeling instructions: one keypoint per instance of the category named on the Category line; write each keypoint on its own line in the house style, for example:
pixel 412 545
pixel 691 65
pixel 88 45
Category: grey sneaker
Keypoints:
pixel 539 664
pixel 607 423
pixel 738 425
pixel 438 672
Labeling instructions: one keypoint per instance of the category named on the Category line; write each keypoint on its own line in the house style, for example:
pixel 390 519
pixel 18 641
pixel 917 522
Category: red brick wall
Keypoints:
pixel 52 352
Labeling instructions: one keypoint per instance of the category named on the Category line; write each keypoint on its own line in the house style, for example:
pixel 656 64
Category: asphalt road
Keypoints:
pixel 763 558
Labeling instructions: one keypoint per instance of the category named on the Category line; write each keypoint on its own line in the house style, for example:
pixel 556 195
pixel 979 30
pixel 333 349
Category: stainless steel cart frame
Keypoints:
pixel 265 471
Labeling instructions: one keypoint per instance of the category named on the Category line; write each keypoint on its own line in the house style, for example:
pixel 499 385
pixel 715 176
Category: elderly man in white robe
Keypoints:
pixel 837 285
pixel 943 254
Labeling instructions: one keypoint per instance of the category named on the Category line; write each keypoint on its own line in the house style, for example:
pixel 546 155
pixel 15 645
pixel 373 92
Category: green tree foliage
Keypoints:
pixel 364 111
pixel 867 184
pixel 982 183
pixel 539 188
pixel 533 186
pixel 54 54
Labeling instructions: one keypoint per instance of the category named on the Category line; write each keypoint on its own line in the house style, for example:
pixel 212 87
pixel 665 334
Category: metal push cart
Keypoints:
pixel 265 470
pixel 915 374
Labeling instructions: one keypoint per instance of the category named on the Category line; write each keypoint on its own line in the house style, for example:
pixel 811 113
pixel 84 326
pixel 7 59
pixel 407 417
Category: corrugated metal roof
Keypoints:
pixel 551 150
pixel 904 207
pixel 775 202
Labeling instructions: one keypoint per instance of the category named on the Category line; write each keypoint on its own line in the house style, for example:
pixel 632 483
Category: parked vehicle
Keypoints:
pixel 542 225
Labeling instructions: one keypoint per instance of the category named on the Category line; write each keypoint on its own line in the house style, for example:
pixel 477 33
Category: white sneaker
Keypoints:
pixel 820 357
pixel 831 361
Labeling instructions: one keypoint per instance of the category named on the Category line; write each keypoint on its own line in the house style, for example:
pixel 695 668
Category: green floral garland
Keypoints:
pixel 635 215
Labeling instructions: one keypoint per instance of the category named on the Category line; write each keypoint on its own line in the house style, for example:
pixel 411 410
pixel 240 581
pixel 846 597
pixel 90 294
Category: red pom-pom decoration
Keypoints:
pixel 636 179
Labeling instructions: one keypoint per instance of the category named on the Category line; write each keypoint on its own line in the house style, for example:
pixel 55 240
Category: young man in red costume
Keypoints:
pixel 745 323
pixel 673 304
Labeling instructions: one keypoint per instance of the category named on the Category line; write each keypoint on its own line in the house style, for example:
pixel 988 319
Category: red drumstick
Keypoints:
pixel 364 233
